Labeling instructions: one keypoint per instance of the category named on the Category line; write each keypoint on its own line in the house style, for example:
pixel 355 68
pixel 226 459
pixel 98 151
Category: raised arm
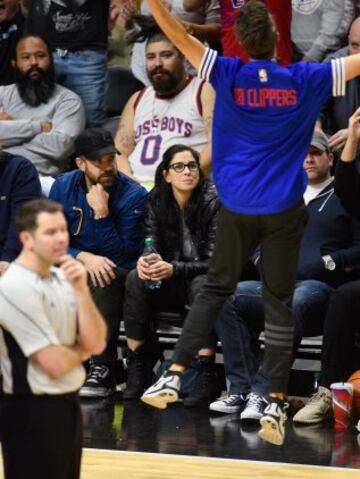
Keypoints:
pixel 207 101
pixel 347 185
pixel 191 48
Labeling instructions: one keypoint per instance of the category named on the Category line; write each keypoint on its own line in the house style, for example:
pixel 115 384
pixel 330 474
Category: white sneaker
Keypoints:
pixel 229 404
pixel 254 409
pixel 273 422
pixel 164 391
pixel 317 409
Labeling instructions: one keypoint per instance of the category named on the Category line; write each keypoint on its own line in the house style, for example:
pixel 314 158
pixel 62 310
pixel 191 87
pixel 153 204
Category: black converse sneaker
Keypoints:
pixel 273 421
pixel 99 382
pixel 164 391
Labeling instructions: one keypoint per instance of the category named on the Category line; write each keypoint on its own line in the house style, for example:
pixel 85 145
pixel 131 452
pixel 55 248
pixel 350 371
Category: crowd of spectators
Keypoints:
pixel 54 57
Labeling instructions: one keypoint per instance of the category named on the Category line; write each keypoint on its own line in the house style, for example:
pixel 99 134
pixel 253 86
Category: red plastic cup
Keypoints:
pixel 342 396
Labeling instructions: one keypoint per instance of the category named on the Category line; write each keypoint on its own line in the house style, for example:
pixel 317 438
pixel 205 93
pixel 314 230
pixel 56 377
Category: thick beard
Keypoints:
pixel 166 86
pixel 35 92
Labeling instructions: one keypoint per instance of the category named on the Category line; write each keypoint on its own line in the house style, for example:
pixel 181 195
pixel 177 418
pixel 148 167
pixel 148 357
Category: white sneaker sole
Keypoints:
pixel 91 393
pixel 224 409
pixel 250 417
pixel 270 431
pixel 160 399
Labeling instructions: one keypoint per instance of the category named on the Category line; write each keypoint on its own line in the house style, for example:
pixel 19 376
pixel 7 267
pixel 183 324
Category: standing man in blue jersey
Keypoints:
pixel 263 124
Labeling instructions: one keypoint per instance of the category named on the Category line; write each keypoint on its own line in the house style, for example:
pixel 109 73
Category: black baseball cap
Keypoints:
pixel 95 142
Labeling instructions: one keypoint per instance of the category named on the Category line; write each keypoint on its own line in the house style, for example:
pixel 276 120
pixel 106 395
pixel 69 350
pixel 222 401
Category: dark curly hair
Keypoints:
pixel 163 203
pixel 145 30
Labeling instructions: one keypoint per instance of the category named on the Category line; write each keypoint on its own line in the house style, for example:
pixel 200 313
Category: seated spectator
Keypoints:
pixel 77 32
pixel 203 23
pixel 181 220
pixel 330 246
pixel 39 119
pixel 11 28
pixel 177 108
pixel 336 112
pixel 340 350
pixel 104 210
pixel 280 10
pixel 19 182
pixel 319 27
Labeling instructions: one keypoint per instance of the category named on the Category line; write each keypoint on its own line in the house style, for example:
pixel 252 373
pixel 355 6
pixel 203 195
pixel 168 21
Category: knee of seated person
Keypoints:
pixel 347 292
pixel 132 278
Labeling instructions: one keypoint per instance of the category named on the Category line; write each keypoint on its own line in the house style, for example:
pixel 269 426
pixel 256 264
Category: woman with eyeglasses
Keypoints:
pixel 181 220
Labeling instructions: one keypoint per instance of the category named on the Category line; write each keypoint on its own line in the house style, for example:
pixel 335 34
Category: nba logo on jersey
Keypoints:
pixel 263 76
pixel 238 3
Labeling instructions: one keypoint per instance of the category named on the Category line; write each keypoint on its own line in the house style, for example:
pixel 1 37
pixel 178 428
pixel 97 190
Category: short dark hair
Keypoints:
pixel 256 30
pixel 27 214
pixel 29 35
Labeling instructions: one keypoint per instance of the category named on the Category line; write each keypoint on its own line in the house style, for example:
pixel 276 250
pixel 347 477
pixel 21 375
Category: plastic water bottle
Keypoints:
pixel 149 249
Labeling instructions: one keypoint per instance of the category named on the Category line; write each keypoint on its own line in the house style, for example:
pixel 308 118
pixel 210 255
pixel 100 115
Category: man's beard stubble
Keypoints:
pixel 35 91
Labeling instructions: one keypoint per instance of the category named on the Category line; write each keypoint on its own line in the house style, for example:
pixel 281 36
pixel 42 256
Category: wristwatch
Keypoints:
pixel 329 262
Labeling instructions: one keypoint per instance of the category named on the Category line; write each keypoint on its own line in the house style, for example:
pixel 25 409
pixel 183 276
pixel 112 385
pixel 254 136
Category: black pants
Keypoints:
pixel 109 301
pixel 237 236
pixel 41 436
pixel 140 303
pixel 340 355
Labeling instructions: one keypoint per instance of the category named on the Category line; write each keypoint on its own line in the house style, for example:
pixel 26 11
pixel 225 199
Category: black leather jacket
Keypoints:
pixel 203 237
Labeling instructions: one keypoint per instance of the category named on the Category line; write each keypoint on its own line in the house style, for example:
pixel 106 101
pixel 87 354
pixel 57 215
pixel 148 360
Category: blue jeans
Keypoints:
pixel 85 73
pixel 242 319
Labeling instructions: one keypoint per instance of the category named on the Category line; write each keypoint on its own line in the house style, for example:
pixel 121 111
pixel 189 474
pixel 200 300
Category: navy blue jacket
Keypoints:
pixel 331 230
pixel 19 182
pixel 119 236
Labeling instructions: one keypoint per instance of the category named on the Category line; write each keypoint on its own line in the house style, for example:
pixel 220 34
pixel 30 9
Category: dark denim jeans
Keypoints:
pixel 242 319
pixel 85 73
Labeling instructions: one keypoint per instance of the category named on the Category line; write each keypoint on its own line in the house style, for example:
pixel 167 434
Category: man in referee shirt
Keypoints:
pixel 49 326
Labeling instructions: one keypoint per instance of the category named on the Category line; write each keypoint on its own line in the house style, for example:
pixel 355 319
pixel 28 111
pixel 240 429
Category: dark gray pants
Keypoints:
pixel 237 236
pixel 109 301
pixel 140 303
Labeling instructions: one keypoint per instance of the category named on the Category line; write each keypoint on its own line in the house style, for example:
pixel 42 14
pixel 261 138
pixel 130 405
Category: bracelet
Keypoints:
pixel 100 217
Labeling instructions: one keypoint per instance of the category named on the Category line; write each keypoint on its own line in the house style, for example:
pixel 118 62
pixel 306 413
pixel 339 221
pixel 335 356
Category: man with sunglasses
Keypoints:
pixel 104 210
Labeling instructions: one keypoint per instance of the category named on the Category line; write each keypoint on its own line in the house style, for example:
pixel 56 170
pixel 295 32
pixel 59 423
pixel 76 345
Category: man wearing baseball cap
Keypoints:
pixel 104 210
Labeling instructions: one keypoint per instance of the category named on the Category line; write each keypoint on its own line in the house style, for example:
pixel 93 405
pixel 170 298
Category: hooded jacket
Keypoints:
pixel 331 230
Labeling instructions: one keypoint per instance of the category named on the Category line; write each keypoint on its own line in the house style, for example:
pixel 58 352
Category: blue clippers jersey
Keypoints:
pixel 263 123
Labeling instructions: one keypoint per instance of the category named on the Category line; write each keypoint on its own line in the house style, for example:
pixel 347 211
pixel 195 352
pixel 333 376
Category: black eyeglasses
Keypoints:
pixel 180 166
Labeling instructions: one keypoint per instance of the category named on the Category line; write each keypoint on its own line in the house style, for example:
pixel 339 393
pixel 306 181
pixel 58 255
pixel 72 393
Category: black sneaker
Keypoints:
pixel 139 373
pixel 99 382
pixel 207 384
pixel 273 421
